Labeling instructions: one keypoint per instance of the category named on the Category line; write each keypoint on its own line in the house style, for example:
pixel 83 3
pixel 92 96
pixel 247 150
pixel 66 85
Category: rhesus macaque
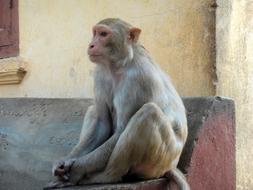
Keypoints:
pixel 137 125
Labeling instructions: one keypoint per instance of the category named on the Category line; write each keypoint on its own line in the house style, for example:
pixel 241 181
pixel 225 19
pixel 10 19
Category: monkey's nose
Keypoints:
pixel 91 46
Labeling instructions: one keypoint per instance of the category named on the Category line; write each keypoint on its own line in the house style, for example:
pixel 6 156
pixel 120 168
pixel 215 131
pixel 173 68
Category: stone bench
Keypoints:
pixel 35 132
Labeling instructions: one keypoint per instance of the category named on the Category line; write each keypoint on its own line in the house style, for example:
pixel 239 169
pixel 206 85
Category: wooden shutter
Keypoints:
pixel 8 28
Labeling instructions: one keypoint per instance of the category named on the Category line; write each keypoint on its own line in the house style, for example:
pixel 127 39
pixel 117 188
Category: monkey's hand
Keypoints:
pixel 77 172
pixel 61 168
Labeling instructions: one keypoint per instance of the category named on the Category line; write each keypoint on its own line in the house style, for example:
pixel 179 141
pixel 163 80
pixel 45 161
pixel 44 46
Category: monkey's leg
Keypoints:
pixel 95 131
pixel 148 147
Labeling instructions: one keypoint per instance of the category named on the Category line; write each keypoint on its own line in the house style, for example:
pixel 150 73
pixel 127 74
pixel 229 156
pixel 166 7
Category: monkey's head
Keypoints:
pixel 112 42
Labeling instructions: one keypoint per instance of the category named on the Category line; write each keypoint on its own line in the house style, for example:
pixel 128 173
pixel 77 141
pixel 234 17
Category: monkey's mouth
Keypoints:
pixel 95 55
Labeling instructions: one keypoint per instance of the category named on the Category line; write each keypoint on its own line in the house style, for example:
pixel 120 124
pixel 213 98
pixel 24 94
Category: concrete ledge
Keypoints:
pixel 147 185
pixel 209 156
pixel 34 132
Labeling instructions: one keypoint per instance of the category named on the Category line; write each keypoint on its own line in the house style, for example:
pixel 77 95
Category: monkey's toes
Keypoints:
pixel 57 184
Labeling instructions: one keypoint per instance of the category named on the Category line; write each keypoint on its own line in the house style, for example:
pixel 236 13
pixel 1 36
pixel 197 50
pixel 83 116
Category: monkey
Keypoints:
pixel 137 125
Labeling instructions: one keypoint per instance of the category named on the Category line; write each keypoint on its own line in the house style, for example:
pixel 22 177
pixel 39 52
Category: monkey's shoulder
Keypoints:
pixel 146 76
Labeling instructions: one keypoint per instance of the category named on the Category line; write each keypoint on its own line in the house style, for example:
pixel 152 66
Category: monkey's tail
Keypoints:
pixel 179 178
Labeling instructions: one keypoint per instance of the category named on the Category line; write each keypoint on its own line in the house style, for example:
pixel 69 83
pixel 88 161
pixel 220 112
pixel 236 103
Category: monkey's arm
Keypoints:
pixel 98 159
pixel 95 131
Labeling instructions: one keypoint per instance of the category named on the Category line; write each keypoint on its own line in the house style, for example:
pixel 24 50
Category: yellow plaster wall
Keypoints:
pixel 235 77
pixel 54 35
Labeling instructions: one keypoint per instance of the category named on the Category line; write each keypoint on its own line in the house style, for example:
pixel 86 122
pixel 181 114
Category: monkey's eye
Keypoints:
pixel 103 34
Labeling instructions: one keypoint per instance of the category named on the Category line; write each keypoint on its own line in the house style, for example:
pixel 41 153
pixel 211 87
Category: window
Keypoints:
pixel 9 34
pixel 12 71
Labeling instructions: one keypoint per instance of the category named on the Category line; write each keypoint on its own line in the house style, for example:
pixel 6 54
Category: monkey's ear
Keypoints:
pixel 134 34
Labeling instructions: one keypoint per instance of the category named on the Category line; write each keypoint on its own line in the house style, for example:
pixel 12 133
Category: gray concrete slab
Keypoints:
pixel 35 132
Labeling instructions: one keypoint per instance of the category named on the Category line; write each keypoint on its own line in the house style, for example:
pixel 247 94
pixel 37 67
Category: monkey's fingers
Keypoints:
pixel 57 167
pixel 59 172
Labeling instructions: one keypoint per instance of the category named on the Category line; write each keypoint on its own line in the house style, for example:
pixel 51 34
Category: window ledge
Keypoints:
pixel 12 71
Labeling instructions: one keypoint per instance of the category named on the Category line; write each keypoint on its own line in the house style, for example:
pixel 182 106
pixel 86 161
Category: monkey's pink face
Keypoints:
pixel 97 48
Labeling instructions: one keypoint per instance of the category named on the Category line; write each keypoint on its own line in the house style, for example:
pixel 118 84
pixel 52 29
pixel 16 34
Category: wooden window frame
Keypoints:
pixel 9 34
pixel 12 68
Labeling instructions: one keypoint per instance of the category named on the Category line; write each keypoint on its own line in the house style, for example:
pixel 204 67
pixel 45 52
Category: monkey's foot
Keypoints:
pixel 57 184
